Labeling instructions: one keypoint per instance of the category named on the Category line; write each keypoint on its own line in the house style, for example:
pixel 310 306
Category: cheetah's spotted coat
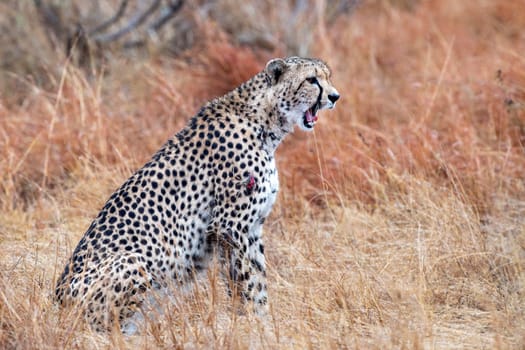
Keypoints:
pixel 208 189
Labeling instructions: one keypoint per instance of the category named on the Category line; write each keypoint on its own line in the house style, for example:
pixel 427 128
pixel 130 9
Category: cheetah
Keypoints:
pixel 206 191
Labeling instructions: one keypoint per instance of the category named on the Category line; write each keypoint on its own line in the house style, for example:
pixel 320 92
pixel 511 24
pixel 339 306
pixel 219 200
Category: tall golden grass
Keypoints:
pixel 400 223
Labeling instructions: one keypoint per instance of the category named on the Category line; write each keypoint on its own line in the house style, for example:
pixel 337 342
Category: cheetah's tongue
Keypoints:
pixel 310 117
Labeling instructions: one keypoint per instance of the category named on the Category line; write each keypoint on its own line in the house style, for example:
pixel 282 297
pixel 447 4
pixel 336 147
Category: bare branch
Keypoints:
pixel 78 48
pixel 112 20
pixel 166 14
pixel 77 40
pixel 136 21
pixel 50 18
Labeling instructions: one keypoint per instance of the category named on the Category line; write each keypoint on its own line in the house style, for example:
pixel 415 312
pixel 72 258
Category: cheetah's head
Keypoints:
pixel 302 87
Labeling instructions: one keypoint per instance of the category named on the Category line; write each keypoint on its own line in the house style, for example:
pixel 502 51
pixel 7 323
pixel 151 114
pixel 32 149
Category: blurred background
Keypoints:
pixel 401 218
pixel 36 33
pixel 429 87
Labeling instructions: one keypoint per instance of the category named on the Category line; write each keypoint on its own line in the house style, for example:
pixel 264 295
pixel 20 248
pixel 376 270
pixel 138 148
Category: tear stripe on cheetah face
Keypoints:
pixel 307 84
pixel 207 190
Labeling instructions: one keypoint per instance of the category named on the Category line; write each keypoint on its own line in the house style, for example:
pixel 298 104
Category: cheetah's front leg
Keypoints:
pixel 244 251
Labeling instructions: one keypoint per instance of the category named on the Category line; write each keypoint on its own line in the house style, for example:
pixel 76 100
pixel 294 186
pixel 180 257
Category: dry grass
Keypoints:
pixel 400 223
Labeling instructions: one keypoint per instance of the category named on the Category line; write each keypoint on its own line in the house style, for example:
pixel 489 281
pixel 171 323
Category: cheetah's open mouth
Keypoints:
pixel 310 116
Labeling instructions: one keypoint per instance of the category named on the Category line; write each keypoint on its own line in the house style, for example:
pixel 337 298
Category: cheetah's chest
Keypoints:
pixel 270 188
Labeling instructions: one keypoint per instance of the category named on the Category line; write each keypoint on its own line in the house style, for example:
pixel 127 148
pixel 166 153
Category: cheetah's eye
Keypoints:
pixel 312 80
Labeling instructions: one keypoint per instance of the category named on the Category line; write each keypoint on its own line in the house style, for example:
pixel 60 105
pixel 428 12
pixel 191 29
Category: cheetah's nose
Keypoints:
pixel 333 97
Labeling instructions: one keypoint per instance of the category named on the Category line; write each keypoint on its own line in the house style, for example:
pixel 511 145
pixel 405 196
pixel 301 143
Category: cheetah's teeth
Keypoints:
pixel 310 117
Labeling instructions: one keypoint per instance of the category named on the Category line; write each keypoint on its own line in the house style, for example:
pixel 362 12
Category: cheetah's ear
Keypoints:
pixel 275 68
